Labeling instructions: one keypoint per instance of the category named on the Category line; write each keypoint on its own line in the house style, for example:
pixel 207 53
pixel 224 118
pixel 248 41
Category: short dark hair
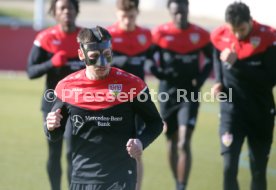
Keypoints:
pixel 237 13
pixel 96 34
pixel 52 8
pixel 177 1
pixel 127 5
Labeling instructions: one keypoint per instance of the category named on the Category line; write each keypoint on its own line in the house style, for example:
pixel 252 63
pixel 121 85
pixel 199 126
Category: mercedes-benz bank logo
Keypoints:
pixel 77 121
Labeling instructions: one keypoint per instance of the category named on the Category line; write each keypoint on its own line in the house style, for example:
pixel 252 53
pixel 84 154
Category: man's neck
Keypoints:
pixel 68 28
pixel 92 76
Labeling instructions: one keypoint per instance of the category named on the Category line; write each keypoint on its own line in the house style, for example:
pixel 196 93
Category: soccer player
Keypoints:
pixel 179 45
pixel 245 64
pixel 54 54
pixel 101 102
pixel 130 42
pixel 131 49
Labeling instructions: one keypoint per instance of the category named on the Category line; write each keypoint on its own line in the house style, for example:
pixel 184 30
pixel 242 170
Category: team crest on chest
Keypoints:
pixel 142 39
pixel 194 37
pixel 115 89
pixel 227 139
pixel 118 40
pixel 56 42
pixel 255 41
pixel 169 38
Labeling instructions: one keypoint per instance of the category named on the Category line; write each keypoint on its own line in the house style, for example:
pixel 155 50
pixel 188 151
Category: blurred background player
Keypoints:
pixel 103 142
pixel 179 45
pixel 245 65
pixel 131 45
pixel 54 54
pixel 130 42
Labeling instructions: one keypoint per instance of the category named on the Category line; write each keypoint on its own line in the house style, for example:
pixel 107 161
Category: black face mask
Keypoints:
pixel 104 49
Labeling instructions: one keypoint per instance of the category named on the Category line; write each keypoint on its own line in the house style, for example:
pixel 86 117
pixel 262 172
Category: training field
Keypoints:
pixel 23 146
